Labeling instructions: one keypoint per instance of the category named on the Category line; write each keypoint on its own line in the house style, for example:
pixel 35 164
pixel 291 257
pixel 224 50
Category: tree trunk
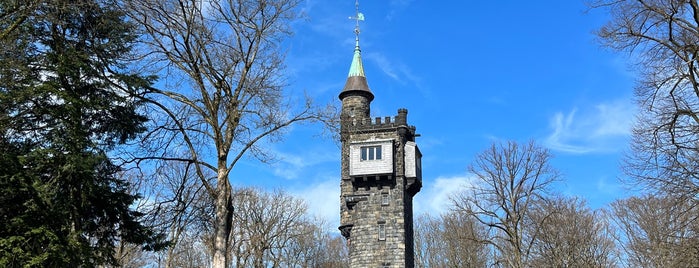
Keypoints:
pixel 223 223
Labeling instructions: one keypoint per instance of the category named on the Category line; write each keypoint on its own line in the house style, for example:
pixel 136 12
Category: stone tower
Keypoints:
pixel 381 172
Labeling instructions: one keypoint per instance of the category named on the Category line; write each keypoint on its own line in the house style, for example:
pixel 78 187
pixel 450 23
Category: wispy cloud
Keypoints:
pixel 607 187
pixel 387 67
pixel 601 128
pixel 397 6
pixel 291 166
pixel 434 199
pixel 397 71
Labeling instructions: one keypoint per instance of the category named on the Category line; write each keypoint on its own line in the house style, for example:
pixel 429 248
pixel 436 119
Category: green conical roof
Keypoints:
pixel 356 69
pixel 356 81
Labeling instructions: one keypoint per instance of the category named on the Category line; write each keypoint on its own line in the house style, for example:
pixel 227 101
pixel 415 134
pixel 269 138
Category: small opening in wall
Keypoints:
pixel 385 199
pixel 382 231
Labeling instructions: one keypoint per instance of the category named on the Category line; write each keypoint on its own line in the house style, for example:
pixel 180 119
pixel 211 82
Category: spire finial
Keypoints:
pixel 358 17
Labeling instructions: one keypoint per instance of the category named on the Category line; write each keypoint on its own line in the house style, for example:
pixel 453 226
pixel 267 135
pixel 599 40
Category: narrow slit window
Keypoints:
pixel 382 231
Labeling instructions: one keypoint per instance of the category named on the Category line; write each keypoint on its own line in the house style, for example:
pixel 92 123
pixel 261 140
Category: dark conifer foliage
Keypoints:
pixel 66 100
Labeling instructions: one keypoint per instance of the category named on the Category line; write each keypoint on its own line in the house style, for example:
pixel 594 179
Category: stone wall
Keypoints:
pixel 371 202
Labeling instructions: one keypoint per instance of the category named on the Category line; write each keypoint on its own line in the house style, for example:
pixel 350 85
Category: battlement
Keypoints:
pixel 387 122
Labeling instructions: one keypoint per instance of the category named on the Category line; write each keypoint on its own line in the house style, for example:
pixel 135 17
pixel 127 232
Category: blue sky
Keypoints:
pixel 470 73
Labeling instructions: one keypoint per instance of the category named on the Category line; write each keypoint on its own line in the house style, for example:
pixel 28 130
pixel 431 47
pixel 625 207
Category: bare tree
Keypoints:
pixel 510 179
pixel 426 239
pixel 268 224
pixel 179 206
pixel 334 252
pixel 450 240
pixel 314 246
pixel 662 36
pixel 190 251
pixel 302 250
pixel 129 255
pixel 223 91
pixel 657 231
pixel 272 230
pixel 569 234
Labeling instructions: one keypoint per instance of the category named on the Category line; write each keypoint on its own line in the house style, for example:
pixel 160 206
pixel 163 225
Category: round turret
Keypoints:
pixel 356 96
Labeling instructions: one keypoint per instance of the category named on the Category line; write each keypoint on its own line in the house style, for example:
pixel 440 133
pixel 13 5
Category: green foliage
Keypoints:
pixel 65 101
pixel 21 239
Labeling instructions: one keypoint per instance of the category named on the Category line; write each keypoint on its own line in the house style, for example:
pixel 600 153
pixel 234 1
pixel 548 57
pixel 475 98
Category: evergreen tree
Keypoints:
pixel 65 102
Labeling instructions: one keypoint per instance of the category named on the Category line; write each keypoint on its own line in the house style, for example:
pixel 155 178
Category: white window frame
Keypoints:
pixel 384 165
pixel 370 153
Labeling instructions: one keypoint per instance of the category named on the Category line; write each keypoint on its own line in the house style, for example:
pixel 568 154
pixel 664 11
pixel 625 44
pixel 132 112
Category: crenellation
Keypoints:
pixel 359 120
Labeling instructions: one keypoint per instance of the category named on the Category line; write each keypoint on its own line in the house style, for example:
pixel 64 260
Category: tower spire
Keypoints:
pixel 357 69
pixel 356 80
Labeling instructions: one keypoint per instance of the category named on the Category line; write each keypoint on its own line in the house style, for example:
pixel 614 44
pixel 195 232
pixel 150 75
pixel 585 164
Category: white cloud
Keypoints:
pixel 434 198
pixel 601 128
pixel 323 200
pixel 616 119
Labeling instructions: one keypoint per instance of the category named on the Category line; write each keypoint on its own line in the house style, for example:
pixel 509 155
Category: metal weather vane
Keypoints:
pixel 358 17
